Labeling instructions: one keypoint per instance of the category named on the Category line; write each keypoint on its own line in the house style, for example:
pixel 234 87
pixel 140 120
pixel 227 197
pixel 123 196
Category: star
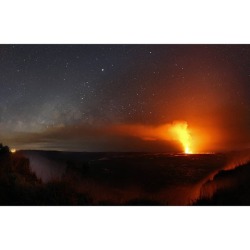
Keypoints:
pixel 57 83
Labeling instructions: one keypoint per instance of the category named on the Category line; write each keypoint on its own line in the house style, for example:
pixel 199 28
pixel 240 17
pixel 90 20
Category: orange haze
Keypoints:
pixel 191 140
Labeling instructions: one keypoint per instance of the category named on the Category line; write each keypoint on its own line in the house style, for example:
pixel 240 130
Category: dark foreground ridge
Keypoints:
pixel 228 187
pixel 20 186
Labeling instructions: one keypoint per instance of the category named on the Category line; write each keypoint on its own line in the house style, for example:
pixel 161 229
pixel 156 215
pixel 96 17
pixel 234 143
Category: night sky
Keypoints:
pixel 90 97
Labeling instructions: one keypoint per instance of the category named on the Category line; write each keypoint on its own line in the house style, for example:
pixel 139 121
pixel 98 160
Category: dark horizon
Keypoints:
pixel 139 152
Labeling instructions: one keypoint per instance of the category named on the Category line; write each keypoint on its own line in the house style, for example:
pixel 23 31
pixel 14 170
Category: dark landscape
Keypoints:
pixel 75 178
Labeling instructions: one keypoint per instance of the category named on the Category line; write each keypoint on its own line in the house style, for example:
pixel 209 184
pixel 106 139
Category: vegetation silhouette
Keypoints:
pixel 228 187
pixel 20 186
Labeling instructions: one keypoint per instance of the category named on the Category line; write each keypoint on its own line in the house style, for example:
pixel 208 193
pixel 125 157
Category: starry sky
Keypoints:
pixel 83 97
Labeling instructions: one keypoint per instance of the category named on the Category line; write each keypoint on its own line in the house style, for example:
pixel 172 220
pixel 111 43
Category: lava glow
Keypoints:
pixel 188 151
pixel 181 132
pixel 177 131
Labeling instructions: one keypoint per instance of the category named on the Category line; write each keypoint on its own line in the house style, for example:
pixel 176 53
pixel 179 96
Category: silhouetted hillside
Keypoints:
pixel 20 186
pixel 228 187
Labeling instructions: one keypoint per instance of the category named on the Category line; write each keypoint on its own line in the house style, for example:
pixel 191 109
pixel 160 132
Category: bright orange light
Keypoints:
pixel 181 132
pixel 13 150
pixel 187 151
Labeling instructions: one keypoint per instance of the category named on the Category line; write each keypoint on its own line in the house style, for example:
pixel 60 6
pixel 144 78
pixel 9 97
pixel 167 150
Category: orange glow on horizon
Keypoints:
pixel 193 136
pixel 187 151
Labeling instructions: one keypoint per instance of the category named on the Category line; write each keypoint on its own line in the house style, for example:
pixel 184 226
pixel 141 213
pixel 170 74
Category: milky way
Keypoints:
pixel 48 92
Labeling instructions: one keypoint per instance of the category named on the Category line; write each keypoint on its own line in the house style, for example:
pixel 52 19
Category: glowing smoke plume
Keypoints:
pixel 176 131
pixel 180 131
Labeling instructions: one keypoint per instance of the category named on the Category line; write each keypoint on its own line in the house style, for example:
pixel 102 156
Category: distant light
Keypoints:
pixel 13 150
